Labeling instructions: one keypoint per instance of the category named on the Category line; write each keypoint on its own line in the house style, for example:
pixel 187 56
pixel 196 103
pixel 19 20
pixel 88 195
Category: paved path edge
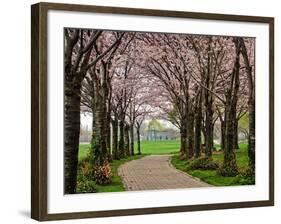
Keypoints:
pixel 196 178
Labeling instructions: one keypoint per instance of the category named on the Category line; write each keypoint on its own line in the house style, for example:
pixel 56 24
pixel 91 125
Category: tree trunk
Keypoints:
pixel 108 135
pixel 190 133
pixel 71 135
pixel 222 135
pixel 127 140
pixel 99 141
pixel 229 164
pixel 101 165
pixel 105 84
pixel 212 136
pixel 251 106
pixel 132 139
pixel 138 140
pixel 183 136
pixel 251 137
pixel 208 135
pixel 99 146
pixel 198 126
pixel 121 139
pixel 208 124
pixel 197 137
pixel 235 137
pixel 208 109
pixel 115 138
pixel 92 153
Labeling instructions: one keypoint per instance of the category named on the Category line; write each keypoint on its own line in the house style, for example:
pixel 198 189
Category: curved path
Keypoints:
pixel 155 172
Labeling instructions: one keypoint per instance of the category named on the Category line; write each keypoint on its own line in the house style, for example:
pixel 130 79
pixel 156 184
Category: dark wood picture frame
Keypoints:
pixel 39 110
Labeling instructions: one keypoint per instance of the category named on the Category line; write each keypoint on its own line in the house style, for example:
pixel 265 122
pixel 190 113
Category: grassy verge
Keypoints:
pixel 87 185
pixel 212 176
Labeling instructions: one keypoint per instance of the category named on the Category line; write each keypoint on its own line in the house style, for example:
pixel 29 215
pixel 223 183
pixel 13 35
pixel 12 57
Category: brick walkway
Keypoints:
pixel 155 172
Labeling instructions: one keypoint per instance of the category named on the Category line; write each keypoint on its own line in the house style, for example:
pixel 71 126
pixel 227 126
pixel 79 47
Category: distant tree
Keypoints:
pixel 138 123
pixel 153 127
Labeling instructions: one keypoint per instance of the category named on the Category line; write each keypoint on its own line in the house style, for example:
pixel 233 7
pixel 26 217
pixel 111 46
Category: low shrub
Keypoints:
pixel 246 177
pixel 228 171
pixel 85 176
pixel 103 174
pixel 203 163
pixel 86 169
pixel 85 186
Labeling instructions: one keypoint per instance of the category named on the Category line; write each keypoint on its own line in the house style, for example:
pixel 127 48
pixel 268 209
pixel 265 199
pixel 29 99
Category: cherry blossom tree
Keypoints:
pixel 78 59
pixel 123 78
pixel 247 51
pixel 97 89
pixel 167 62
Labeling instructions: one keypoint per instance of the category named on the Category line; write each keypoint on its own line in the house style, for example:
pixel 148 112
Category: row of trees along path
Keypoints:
pixel 122 78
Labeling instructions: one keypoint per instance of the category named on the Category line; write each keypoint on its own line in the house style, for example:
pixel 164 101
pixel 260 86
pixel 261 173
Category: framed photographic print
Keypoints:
pixel 138 111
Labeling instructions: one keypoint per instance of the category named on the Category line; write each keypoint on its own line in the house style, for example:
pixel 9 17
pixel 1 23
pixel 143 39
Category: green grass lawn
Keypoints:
pixel 159 147
pixel 147 147
pixel 83 150
pixel 241 156
pixel 211 176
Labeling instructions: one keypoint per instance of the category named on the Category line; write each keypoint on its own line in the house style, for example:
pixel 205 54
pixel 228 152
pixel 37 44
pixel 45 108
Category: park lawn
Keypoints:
pixel 116 185
pixel 241 156
pixel 211 176
pixel 83 151
pixel 159 147
pixel 147 147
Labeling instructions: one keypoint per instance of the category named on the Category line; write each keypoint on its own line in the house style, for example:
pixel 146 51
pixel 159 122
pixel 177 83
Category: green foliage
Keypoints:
pixel 213 177
pixel 243 122
pixel 155 125
pixel 85 168
pixel 241 156
pixel 173 115
pixel 203 163
pixel 85 185
pixel 85 176
pixel 217 147
pixel 246 177
pixel 209 176
pixel 228 171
